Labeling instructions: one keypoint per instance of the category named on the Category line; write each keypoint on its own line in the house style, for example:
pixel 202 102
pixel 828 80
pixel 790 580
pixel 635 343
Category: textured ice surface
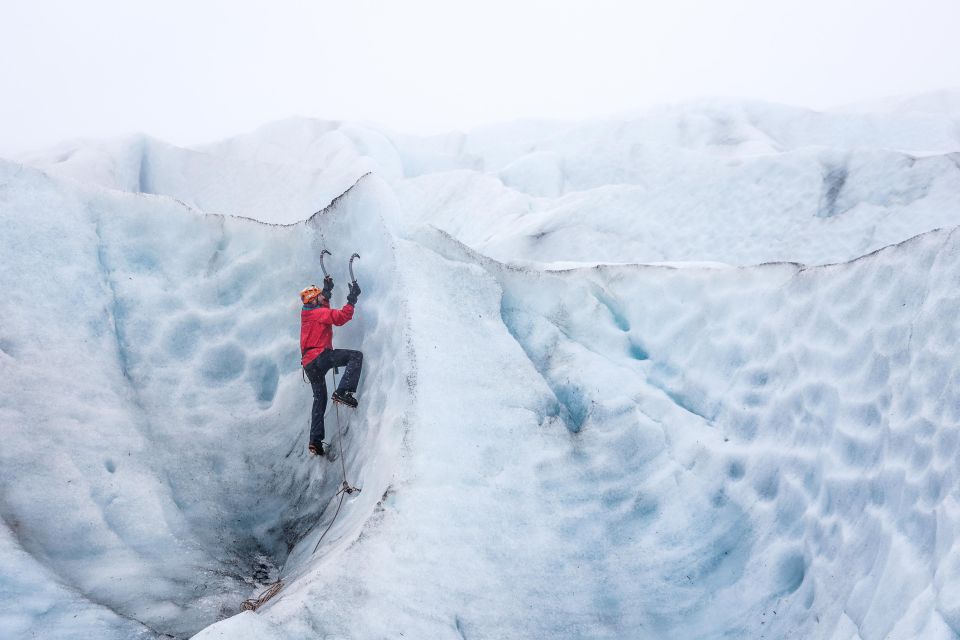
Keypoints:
pixel 256 189
pixel 723 181
pixel 604 450
pixel 153 408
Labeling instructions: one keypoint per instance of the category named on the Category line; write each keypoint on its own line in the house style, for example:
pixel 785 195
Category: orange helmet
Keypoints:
pixel 310 294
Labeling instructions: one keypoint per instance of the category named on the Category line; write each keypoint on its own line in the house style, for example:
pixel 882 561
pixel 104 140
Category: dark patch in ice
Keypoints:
pixel 240 278
pixel 767 486
pixel 860 453
pixel 921 457
pixel 812 481
pixel 933 489
pixel 213 264
pixel 754 399
pixel 878 494
pixel 920 527
pixel 215 462
pixel 109 465
pixel 608 609
pixel 265 377
pixel 619 319
pixel 458 624
pixel 637 352
pixel 646 507
pixel 145 260
pixel 261 572
pixel 725 557
pixel 719 499
pixel 923 428
pixel 665 378
pixel 735 470
pixel 744 426
pixel 117 309
pixel 8 347
pixel 574 409
pixel 833 180
pixel 614 497
pixel 143 175
pixel 790 573
pixel 684 402
pixel 681 400
pixel 182 338
pixel 223 363
pixel 867 416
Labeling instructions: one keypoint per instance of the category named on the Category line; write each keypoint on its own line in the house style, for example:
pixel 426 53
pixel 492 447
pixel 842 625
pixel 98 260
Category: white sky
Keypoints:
pixel 194 71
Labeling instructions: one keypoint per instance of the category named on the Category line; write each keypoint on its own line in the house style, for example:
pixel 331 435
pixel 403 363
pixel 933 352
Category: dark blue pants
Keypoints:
pixel 317 371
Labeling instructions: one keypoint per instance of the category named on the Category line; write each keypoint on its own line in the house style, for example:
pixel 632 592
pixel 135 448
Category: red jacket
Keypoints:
pixel 316 329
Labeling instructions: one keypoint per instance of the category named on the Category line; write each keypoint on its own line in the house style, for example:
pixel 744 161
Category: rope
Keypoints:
pixel 335 514
pixel 345 488
pixel 255 603
pixel 336 407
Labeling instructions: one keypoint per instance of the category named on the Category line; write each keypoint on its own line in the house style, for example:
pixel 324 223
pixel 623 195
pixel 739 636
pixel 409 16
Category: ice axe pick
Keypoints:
pixel 353 278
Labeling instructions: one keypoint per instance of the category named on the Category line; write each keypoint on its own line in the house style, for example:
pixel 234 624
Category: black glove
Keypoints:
pixel 354 293
pixel 327 287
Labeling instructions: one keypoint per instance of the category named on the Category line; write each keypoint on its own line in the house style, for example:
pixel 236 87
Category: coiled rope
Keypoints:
pixel 253 604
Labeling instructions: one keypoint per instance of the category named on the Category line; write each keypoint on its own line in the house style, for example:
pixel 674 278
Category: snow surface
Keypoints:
pixel 556 437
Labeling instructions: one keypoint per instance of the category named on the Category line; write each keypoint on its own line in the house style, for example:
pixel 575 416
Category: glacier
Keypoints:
pixel 689 372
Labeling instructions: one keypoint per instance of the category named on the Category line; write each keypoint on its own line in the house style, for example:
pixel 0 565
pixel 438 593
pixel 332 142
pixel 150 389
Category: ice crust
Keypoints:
pixel 553 440
pixel 280 194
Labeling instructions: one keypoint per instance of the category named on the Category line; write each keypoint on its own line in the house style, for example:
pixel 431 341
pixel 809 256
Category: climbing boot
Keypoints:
pixel 345 397
pixel 316 449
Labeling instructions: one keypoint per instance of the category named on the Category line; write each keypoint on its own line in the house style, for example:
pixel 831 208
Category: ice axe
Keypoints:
pixel 325 276
pixel 353 279
pixel 322 267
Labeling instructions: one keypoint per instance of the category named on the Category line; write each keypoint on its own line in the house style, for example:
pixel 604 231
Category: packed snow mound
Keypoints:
pixel 813 206
pixel 278 194
pixel 724 181
pixel 607 150
pixel 546 448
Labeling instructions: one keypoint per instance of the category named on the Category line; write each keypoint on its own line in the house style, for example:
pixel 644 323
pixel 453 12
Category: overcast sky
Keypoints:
pixel 194 71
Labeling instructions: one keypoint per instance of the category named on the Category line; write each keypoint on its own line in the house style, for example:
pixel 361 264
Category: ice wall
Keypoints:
pixel 656 452
pixel 546 448
pixel 813 412
pixel 154 415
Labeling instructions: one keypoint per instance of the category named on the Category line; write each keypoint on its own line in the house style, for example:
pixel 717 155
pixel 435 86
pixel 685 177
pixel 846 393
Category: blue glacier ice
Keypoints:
pixel 684 373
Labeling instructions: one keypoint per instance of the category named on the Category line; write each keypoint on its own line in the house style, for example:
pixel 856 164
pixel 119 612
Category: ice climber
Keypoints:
pixel 318 355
